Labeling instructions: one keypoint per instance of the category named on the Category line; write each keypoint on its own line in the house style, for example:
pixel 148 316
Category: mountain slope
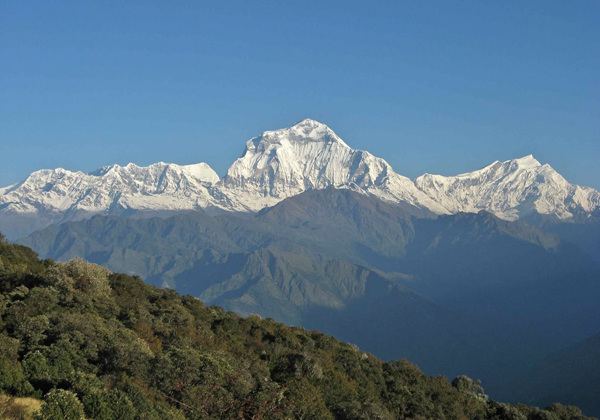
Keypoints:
pixel 340 223
pixel 275 284
pixel 156 248
pixel 586 235
pixel 571 376
pixel 507 270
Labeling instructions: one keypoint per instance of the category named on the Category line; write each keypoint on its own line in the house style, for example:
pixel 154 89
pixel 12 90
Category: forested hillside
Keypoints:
pixel 108 346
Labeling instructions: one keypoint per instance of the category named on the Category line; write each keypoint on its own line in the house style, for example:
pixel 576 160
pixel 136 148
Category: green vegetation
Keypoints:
pixel 60 405
pixel 108 346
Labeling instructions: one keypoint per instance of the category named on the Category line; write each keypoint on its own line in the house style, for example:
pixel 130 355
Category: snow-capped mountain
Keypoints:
pixel 280 164
pixel 309 155
pixel 54 196
pixel 512 190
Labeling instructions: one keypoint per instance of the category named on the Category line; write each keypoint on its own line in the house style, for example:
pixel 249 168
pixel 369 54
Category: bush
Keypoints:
pixel 60 405
pixel 88 277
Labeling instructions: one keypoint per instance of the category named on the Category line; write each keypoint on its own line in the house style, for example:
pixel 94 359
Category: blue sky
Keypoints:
pixel 438 86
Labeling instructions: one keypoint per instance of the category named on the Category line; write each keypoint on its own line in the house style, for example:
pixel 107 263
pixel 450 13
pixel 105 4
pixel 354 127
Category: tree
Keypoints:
pixel 466 385
pixel 60 405
pixel 12 377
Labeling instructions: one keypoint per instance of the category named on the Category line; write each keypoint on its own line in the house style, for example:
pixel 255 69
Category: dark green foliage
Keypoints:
pixel 12 378
pixel 111 347
pixel 60 404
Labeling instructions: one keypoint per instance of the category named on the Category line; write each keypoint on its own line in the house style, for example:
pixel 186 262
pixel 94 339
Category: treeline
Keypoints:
pixel 104 346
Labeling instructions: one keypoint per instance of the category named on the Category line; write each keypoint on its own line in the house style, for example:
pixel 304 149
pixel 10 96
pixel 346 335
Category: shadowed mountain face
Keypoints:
pixel 276 284
pixel 570 375
pixel 466 293
pixel 510 271
pixel 585 235
pixel 474 262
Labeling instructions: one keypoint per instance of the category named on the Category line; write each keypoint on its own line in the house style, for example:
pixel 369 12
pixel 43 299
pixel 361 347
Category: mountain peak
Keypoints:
pixel 497 168
pixel 305 131
pixel 201 171
pixel 308 122
pixel 309 155
pixel 527 162
pixel 511 190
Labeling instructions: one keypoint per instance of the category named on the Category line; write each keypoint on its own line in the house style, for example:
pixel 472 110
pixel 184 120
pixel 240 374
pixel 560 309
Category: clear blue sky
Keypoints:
pixel 436 86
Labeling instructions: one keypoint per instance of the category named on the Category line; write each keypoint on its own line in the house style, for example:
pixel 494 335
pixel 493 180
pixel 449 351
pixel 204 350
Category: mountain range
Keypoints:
pixel 283 163
pixel 487 273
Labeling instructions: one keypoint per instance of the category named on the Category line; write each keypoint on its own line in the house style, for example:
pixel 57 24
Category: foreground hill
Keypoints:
pixel 124 350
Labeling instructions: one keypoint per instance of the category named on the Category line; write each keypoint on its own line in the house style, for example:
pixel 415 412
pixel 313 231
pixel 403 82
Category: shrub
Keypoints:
pixel 88 277
pixel 60 405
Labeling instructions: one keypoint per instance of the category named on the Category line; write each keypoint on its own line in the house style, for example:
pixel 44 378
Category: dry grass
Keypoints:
pixel 18 408
pixel 29 403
